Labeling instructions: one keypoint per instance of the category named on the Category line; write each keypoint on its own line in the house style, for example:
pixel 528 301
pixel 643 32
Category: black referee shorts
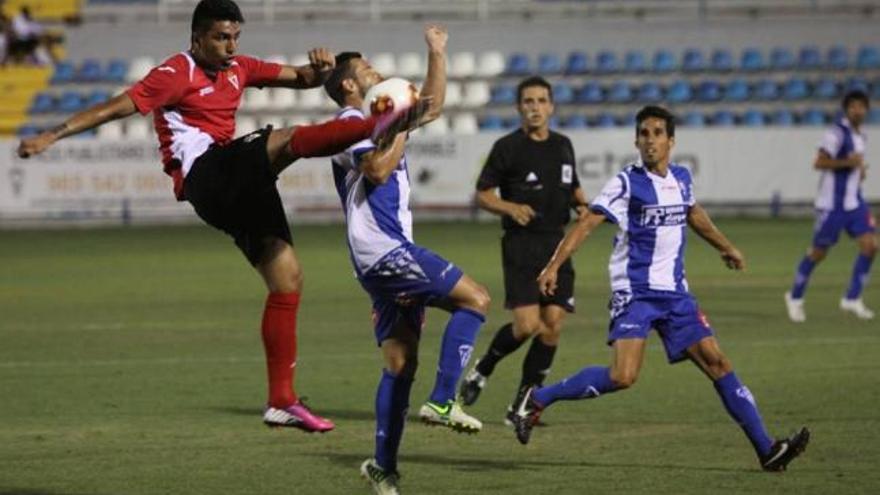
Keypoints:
pixel 232 188
pixel 523 256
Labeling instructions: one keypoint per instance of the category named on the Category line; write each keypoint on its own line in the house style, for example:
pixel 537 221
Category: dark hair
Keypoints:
pixel 855 95
pixel 657 112
pixel 531 82
pixel 343 70
pixel 207 12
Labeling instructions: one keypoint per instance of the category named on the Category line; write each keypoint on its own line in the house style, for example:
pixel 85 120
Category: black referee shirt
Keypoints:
pixel 540 174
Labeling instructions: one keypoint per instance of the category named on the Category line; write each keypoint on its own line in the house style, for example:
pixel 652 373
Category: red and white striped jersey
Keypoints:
pixel 192 111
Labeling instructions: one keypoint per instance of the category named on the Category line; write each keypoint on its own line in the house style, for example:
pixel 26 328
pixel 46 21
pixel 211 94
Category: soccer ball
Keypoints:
pixel 391 95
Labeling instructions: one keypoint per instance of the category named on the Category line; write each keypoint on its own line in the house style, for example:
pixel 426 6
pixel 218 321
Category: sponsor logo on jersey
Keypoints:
pixel 206 90
pixel 664 216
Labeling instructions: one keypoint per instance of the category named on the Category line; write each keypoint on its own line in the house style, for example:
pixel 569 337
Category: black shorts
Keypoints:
pixel 523 256
pixel 232 188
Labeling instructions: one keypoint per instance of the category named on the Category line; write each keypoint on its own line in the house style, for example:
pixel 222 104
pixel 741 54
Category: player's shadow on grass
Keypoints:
pixel 34 491
pixel 347 414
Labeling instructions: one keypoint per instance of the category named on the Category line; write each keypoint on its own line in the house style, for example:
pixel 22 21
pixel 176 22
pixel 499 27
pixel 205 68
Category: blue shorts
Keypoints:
pixel 674 315
pixel 403 283
pixel 829 223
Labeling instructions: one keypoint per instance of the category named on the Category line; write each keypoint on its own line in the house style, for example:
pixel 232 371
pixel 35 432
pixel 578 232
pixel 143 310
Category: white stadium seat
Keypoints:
pixel 491 64
pixel 282 98
pixel 410 65
pixel 439 127
pixel 276 121
pixel 384 64
pixel 462 64
pixel 110 130
pixel 137 129
pixel 256 99
pixel 245 125
pixel 453 94
pixel 465 123
pixel 476 94
pixel 139 68
pixel 311 98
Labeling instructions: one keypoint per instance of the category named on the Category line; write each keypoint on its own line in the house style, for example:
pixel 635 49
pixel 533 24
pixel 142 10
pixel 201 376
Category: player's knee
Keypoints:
pixel 869 248
pixel 402 365
pixel 552 332
pixel 816 255
pixel 480 300
pixel 524 329
pixel 623 379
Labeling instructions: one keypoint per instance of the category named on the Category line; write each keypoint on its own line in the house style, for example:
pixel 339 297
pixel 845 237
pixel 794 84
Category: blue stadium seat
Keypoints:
pixel 576 121
pixel 694 118
pixel 722 60
pixel 664 61
pixel 826 89
pixel 753 118
pixel 578 63
pixel 737 90
pixel 96 97
pixel 605 120
pixel 765 90
pixel 795 89
pixel 814 116
pixel 679 92
pixel 752 60
pixel 650 92
pixel 517 64
pixel 43 103
pixel 693 61
pixel 627 120
pixel 838 58
pixel 809 58
pixel 549 64
pixel 563 93
pixel 491 123
pixel 514 122
pixel 782 59
pixel 64 73
pixel 782 117
pixel 857 82
pixel 553 122
pixel 620 92
pixel 116 71
pixel 503 94
pixel 875 90
pixel 70 101
pixel 708 91
pixel 868 58
pixel 89 71
pixel 28 130
pixel 874 116
pixel 723 118
pixel 606 62
pixel 590 93
pixel 634 61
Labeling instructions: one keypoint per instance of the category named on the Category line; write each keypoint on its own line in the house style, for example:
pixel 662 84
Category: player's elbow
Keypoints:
pixel 377 177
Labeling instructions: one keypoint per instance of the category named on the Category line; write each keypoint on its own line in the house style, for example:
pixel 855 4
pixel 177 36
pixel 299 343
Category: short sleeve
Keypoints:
pixel 613 200
pixel 575 180
pixel 493 170
pixel 353 154
pixel 832 141
pixel 258 72
pixel 163 86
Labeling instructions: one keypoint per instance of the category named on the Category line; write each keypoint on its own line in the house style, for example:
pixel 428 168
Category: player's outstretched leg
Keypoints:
pixel 785 450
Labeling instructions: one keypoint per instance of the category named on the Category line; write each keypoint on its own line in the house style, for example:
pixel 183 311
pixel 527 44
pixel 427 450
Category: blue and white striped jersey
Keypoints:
pixel 378 216
pixel 841 189
pixel 651 212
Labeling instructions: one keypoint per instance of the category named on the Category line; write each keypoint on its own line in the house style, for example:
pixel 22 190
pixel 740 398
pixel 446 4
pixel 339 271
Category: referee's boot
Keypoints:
pixel 472 385
pixel 784 451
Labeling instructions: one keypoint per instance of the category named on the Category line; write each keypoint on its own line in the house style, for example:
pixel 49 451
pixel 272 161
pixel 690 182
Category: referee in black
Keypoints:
pixel 534 170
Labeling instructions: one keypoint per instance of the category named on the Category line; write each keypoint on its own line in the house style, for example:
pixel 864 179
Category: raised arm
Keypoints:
pixel 699 220
pixel 435 81
pixel 321 64
pixel 377 165
pixel 567 246
pixel 116 108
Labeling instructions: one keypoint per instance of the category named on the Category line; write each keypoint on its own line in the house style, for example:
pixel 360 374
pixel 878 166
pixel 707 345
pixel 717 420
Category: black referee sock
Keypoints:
pixel 537 363
pixel 503 343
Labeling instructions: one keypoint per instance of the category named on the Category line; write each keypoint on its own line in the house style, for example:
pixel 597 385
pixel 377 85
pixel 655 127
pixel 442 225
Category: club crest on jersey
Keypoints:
pixel 233 79
pixel 664 216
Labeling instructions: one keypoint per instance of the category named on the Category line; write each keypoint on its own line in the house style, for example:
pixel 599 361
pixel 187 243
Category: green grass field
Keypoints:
pixel 130 363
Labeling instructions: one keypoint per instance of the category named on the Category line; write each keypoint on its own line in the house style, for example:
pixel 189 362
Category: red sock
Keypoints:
pixel 330 138
pixel 279 342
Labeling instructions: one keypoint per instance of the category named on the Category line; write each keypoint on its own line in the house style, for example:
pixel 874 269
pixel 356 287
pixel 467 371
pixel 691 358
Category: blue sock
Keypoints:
pixel 455 352
pixel 585 384
pixel 392 402
pixel 802 278
pixel 859 276
pixel 741 406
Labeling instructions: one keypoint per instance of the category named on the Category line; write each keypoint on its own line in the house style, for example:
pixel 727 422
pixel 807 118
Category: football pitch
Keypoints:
pixel 131 363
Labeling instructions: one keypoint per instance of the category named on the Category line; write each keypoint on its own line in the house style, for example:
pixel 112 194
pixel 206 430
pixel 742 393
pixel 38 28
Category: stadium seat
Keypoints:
pixel 650 92
pixel 809 58
pixel 64 73
pixel 590 93
pixel 782 117
pixel 723 118
pixel 795 89
pixel 28 130
pixel 276 121
pixel 453 94
pixel 874 116
pixel 694 119
pixel 490 64
pixel 110 130
pixel 282 98
pixel 765 90
pixel 753 118
pixel 503 94
pixel 782 59
pixel 563 93
pixel 462 65
pixel 491 123
pixel 514 122
pixel 384 63
pixel 137 129
pixel 814 117
pixel 97 97
pixel 438 127
pixel 868 58
pixel 857 82
pixel 140 67
pixel 826 89
pixel 576 121
pixel 692 61
pixel 256 99
pixel 875 90
pixel 578 63
pixel 679 92
pixel 410 65
pixel 664 62
pixel 620 92
pixel 604 121
pixel 308 99
pixel 634 62
pixel 837 58
pixel 476 94
pixel 245 125
pixel 465 124
pixel 517 65
pixel 752 60
pixel 42 103
pixel 89 71
pixel 721 61
pixel 627 120
pixel 549 64
pixel 737 90
pixel 709 91
pixel 116 71
pixel 70 102
pixel 553 122
pixel 606 62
